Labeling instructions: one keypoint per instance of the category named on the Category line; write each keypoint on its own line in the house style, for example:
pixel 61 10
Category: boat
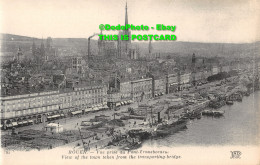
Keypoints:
pixel 213 113
pixel 90 125
pixel 236 97
pixel 196 115
pixel 218 113
pixel 229 102
pixel 217 104
pixel 139 133
pixel 190 115
pixel 207 113
pixel 239 99
pixel 133 146
pixel 170 127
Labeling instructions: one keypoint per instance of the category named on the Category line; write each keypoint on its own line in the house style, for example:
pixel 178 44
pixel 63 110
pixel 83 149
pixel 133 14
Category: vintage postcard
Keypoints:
pixel 130 82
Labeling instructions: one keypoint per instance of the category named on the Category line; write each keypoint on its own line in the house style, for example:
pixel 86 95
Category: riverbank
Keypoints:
pixel 239 126
pixel 192 100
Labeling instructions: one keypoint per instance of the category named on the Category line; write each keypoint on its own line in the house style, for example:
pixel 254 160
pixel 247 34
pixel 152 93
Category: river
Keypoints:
pixel 238 126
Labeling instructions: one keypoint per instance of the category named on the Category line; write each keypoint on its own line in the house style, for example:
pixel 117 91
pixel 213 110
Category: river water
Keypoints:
pixel 238 126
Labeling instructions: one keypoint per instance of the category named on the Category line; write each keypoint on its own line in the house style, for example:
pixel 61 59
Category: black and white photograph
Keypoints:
pixel 128 81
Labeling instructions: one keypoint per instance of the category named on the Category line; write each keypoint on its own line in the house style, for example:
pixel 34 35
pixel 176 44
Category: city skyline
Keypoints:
pixel 234 21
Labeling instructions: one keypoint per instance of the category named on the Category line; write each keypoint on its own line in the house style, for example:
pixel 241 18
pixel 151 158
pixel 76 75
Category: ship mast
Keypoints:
pixel 152 114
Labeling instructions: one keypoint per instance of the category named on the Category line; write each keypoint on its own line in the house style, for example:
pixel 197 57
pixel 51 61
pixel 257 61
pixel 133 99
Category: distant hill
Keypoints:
pixel 10 43
pixel 12 37
pixel 203 49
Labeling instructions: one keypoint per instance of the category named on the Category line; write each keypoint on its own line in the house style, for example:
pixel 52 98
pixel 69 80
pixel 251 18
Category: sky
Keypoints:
pixel 228 21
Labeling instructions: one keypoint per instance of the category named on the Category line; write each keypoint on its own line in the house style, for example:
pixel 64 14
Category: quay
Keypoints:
pixel 144 117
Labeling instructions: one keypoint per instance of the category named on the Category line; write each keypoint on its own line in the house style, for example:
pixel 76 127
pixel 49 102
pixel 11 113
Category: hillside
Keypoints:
pixel 10 43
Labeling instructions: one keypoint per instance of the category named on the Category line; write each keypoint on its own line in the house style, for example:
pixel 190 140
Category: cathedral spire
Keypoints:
pixel 33 48
pixel 19 54
pixel 42 44
pixel 126 16
pixel 42 49
pixel 150 47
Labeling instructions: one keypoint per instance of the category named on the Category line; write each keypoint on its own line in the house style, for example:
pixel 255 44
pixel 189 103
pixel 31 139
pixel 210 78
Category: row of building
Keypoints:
pixel 39 107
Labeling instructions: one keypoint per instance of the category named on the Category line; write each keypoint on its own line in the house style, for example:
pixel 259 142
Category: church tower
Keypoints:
pixel 150 47
pixel 193 68
pixel 19 54
pixel 44 56
pixel 42 49
pixel 127 32
pixel 124 46
pixel 33 49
